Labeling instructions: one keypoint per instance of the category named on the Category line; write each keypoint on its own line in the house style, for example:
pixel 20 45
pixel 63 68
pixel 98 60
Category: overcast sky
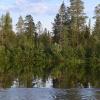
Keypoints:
pixel 41 10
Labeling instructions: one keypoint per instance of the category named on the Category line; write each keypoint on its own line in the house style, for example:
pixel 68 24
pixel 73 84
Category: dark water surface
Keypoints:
pixel 49 94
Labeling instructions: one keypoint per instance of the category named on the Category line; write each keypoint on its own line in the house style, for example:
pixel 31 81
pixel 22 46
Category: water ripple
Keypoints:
pixel 49 94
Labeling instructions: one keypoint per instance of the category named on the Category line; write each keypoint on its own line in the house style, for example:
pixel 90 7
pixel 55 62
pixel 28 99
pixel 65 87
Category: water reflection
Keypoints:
pixel 40 83
pixel 49 94
pixel 37 83
pixel 24 81
pixel 87 94
pixel 78 94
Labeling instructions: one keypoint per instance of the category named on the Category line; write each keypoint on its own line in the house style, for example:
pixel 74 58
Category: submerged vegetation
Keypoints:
pixel 70 54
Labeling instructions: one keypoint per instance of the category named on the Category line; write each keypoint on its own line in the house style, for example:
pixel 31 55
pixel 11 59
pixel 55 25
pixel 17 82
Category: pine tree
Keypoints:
pixel 1 22
pixel 6 28
pixel 97 23
pixel 7 24
pixel 1 28
pixel 39 27
pixel 29 26
pixel 77 25
pixel 20 25
pixel 77 14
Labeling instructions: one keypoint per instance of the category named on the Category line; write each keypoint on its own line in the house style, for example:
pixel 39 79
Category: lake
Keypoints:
pixel 39 89
pixel 49 94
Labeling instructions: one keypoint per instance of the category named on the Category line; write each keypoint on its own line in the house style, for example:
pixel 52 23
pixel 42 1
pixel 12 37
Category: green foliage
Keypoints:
pixel 70 56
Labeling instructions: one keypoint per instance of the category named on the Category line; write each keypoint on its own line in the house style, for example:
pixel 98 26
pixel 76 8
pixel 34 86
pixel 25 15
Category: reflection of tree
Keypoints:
pixel 88 94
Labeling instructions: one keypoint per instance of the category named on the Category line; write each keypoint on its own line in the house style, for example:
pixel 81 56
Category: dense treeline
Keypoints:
pixel 70 55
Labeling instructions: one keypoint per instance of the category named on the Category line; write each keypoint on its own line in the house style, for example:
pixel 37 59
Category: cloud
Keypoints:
pixel 3 8
pixel 38 8
pixel 35 7
pixel 20 1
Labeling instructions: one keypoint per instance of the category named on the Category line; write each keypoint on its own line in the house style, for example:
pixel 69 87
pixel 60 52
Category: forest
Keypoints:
pixel 69 54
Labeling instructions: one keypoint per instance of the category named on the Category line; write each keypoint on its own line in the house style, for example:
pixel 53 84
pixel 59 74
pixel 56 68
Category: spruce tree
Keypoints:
pixel 62 19
pixel 56 29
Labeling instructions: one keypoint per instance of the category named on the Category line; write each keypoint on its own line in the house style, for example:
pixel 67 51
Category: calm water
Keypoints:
pixel 49 94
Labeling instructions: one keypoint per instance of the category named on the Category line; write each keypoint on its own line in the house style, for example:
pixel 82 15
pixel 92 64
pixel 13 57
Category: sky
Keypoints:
pixel 41 10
